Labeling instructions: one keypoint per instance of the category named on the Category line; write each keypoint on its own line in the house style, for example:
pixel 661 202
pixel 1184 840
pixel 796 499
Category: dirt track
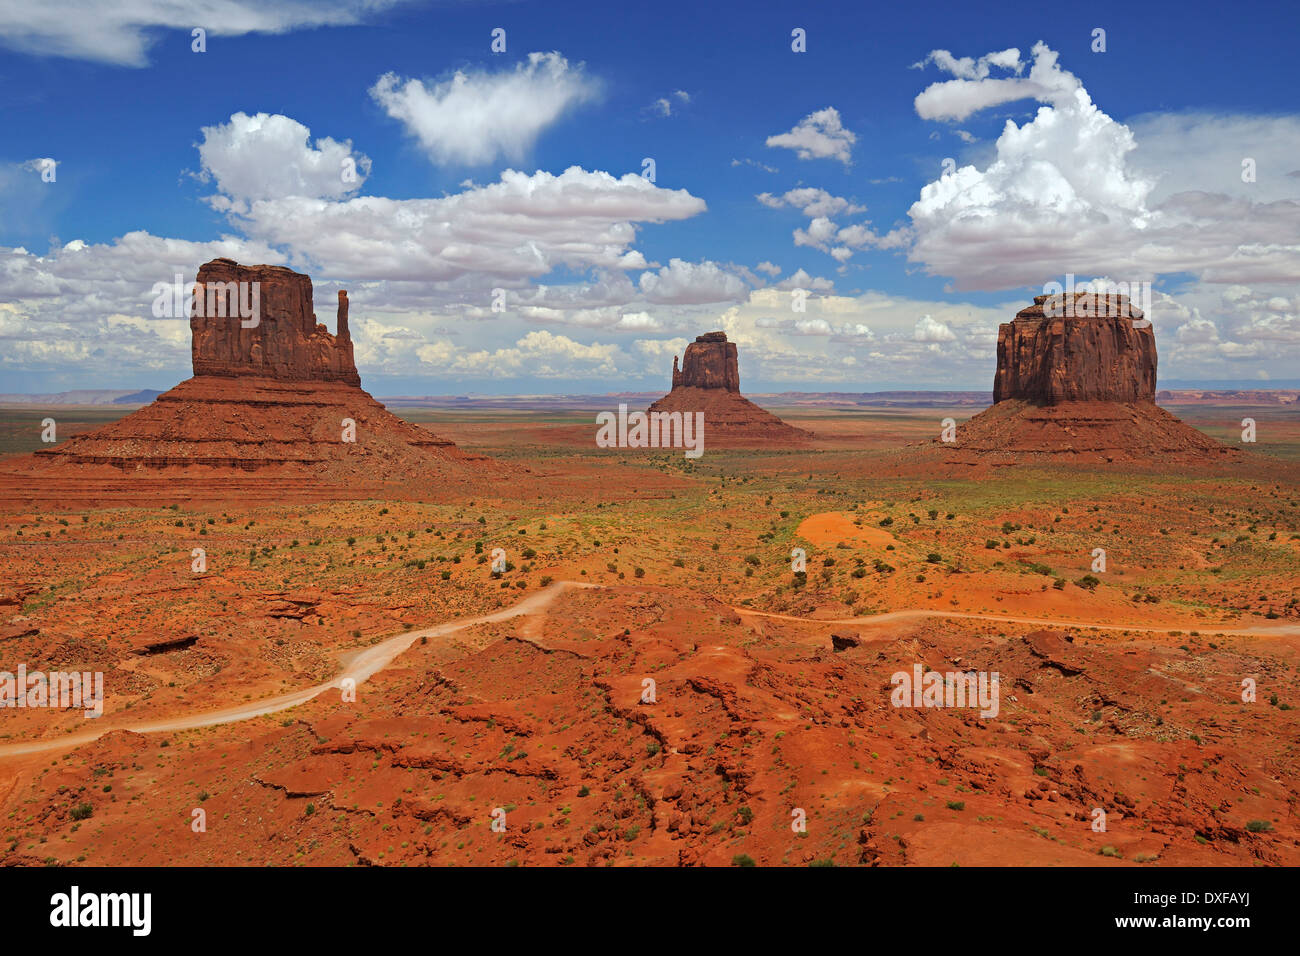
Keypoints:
pixel 365 664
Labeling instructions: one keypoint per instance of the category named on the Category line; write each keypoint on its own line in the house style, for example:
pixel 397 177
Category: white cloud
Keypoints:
pixel 682 283
pixel 819 135
pixel 1069 192
pixel 929 329
pixel 539 354
pixel 802 280
pixel 665 104
pixel 474 117
pixel 975 90
pixel 41 165
pixel 968 68
pixel 1203 152
pixel 518 228
pixel 268 156
pixel 121 32
pixel 756 164
pixel 823 232
pixel 638 322
pixel 811 202
pixel 769 268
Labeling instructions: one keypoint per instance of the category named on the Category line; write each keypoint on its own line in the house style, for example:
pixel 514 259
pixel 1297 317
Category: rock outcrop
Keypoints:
pixel 1091 349
pixel 257 321
pixel 1076 380
pixel 274 410
pixel 709 362
pixel 708 380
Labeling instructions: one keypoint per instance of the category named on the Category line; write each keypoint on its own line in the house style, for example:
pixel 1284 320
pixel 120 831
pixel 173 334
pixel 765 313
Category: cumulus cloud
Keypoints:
pixel 819 135
pixel 800 279
pixel 975 90
pixel 811 202
pixel 684 283
pixel 824 233
pixel 969 68
pixel 476 116
pixel 1068 192
pixel 539 353
pixel 518 228
pixel 268 156
pixel 929 329
pixel 120 33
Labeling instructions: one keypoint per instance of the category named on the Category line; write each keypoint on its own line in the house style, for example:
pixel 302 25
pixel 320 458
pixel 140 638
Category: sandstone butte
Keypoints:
pixel 264 416
pixel 1076 379
pixel 708 381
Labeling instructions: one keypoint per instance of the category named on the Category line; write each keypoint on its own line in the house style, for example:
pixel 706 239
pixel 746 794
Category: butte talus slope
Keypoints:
pixel 265 414
pixel 708 381
pixel 1076 380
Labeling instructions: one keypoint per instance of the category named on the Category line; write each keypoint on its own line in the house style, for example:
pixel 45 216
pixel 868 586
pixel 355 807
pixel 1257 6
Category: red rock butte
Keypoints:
pixel 284 343
pixel 708 381
pixel 1076 379
pixel 266 414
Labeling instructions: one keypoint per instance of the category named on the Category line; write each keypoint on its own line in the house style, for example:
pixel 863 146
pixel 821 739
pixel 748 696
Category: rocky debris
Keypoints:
pixel 163 647
pixel 1104 351
pixel 15 595
pixel 708 381
pixel 283 341
pixel 19 627
pixel 297 605
pixel 1054 649
pixel 742 732
pixel 843 640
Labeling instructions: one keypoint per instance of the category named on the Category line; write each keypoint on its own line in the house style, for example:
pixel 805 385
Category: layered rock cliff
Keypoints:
pixel 281 340
pixel 1087 348
pixel 709 362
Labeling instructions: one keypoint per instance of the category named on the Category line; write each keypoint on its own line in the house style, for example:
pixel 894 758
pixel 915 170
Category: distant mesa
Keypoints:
pixel 708 380
pixel 263 416
pixel 1076 378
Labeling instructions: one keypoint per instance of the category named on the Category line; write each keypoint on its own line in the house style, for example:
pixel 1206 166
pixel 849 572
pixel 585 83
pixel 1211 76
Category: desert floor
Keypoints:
pixel 518 696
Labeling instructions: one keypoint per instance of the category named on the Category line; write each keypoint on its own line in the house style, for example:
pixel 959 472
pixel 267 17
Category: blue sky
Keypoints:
pixel 125 123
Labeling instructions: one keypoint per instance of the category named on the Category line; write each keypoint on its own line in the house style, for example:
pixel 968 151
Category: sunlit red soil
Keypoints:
pixel 754 717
